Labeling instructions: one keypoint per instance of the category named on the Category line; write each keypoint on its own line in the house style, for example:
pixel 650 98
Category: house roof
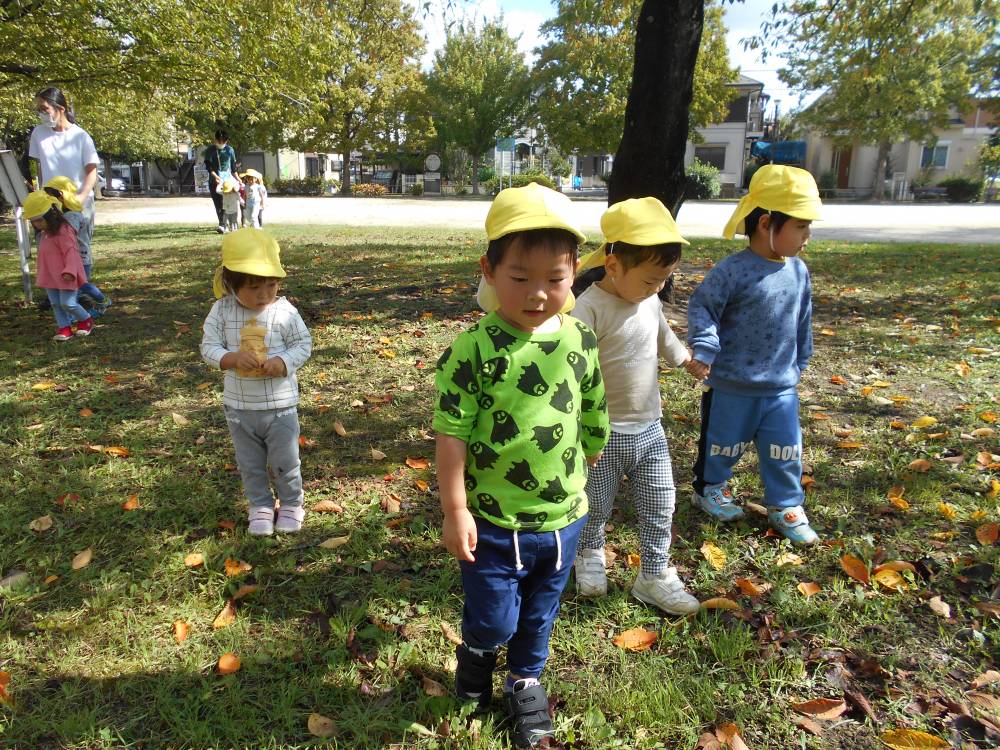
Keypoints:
pixel 746 81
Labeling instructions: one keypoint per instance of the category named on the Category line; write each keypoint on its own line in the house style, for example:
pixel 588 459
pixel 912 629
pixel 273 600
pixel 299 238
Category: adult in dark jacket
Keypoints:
pixel 220 160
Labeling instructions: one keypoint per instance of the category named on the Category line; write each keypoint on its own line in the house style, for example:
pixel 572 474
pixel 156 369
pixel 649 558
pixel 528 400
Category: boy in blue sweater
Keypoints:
pixel 750 326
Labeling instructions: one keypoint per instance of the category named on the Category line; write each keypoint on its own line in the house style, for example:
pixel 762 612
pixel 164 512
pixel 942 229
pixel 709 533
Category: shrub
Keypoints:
pixel 297 186
pixel 826 183
pixel 963 189
pixel 520 180
pixel 702 181
pixel 486 174
pixel 417 188
pixel 368 190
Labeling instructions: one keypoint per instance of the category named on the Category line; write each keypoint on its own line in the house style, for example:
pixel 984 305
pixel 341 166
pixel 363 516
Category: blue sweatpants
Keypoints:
pixel 730 424
pixel 512 591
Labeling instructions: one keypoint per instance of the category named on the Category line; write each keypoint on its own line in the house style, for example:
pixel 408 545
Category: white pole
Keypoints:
pixel 24 246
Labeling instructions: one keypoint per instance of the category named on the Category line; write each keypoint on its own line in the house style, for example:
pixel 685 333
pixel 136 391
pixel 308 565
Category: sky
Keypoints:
pixel 742 19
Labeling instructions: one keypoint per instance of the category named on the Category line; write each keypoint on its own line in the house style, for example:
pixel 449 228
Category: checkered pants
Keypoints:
pixel 645 459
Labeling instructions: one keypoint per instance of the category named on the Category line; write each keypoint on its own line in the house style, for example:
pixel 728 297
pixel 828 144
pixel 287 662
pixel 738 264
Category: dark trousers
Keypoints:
pixel 216 199
pixel 515 605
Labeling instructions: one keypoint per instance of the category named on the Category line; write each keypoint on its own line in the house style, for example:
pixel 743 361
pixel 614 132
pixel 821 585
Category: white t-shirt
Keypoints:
pixel 63 153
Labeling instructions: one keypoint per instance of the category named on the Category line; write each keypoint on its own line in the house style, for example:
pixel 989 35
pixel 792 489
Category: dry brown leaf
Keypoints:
pixel 236 567
pixel 339 429
pixel 194 559
pixel 822 708
pixel 417 463
pixel 82 559
pixel 939 607
pixel 809 588
pixel 44 385
pixel 5 696
pixel 807 482
pixel 335 541
pixel 49 580
pixel 986 534
pixel 983 432
pixel 180 631
pixel 633 560
pixel 804 722
pixel 708 741
pixel 117 450
pixel 854 568
pixel 132 503
pixel 985 700
pixel 636 639
pixel 449 632
pixel 719 602
pixel 838 380
pixel 327 506
pixel 921 465
pixel 85 412
pixel 788 558
pixel 989 608
pixel 891 579
pixel 757 508
pixel 715 556
pixel 42 523
pixel 225 617
pixel 729 734
pixel 988 416
pixel 433 688
pixel 896 491
pixel 913 739
pixel 179 419
pixel 749 588
pixel 849 444
pixel 947 510
pixel 227 525
pixel 377 455
pixel 421 485
pixel 986 678
pixel 245 590
pixel 321 726
pixel 228 663
pixel 897 565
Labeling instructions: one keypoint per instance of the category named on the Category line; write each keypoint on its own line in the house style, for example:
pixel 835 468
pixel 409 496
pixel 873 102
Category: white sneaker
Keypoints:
pixel 261 521
pixel 591 575
pixel 666 592
pixel 290 519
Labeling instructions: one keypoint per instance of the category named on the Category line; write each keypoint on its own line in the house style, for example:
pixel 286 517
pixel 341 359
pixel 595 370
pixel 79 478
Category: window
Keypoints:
pixel 934 156
pixel 312 166
pixel 714 155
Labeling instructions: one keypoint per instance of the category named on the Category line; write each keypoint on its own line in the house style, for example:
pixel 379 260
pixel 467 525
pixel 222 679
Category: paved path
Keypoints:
pixel 864 222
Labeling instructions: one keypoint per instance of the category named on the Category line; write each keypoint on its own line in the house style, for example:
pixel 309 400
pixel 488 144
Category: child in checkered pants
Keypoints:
pixel 641 251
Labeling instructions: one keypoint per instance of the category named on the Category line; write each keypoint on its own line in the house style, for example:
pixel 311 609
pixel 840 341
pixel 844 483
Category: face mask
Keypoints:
pixel 46 119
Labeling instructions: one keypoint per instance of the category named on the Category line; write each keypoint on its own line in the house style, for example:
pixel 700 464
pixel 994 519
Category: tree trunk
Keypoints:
pixel 345 173
pixel 650 158
pixel 878 184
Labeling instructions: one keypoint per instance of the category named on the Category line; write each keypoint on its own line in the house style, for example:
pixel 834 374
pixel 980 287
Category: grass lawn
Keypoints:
pixel 355 633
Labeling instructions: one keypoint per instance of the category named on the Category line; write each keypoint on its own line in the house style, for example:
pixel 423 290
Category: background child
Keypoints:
pixel 520 413
pixel 60 269
pixel 64 189
pixel 750 324
pixel 230 205
pixel 256 195
pixel 641 250
pixel 260 340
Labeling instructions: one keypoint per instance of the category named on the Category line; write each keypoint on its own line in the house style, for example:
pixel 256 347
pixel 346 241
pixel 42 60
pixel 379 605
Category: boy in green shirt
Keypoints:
pixel 521 412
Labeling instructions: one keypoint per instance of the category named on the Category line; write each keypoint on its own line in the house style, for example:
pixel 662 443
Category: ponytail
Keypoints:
pixel 57 98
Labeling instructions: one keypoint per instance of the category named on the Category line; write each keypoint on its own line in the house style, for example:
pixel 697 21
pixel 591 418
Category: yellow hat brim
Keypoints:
pixel 486 298
pixel 67 188
pixel 530 207
pixel 38 203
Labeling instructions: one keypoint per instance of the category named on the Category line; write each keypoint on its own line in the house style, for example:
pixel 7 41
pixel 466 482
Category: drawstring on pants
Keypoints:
pixel 517 553
pixel 558 551
pixel 518 565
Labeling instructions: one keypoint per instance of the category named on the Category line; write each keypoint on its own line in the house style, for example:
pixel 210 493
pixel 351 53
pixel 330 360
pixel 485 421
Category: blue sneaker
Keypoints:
pixel 105 305
pixel 793 524
pixel 719 503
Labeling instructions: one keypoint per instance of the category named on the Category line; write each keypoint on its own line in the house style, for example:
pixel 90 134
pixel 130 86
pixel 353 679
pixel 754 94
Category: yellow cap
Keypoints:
pixel 251 251
pixel 775 187
pixel 530 207
pixel 230 185
pixel 637 221
pixel 67 188
pixel 39 203
pixel 253 173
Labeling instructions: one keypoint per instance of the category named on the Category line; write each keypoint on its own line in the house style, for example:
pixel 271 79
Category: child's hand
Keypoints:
pixel 246 361
pixel 697 369
pixel 459 534
pixel 274 367
pixel 592 460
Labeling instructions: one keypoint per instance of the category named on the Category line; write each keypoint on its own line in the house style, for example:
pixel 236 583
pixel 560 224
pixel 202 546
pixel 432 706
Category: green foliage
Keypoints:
pixel 989 157
pixel 300 186
pixel 584 72
pixel 417 188
pixel 371 190
pixel 826 183
pixel 963 189
pixel 486 173
pixel 702 181
pixel 479 88
pixel 493 185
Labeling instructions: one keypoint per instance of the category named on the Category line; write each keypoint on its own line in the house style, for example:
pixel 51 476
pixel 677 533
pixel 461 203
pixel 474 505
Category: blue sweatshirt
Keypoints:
pixel 751 320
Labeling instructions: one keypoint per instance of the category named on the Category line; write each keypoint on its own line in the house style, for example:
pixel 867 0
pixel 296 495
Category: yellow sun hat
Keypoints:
pixel 38 203
pixel 253 173
pixel 67 188
pixel 530 207
pixel 251 251
pixel 230 185
pixel 776 187
pixel 637 221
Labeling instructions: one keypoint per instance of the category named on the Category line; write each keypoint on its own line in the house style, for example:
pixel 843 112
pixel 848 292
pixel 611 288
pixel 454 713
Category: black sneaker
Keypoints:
pixel 528 708
pixel 474 675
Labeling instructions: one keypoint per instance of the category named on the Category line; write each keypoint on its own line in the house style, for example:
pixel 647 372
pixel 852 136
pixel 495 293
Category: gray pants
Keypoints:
pixel 265 439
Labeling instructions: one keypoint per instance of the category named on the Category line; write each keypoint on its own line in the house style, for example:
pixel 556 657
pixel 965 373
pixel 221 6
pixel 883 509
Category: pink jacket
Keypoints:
pixel 58 254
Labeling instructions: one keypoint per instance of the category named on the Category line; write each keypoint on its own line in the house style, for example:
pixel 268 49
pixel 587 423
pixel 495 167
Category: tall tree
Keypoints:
pixel 479 87
pixel 650 157
pixel 586 66
pixel 891 69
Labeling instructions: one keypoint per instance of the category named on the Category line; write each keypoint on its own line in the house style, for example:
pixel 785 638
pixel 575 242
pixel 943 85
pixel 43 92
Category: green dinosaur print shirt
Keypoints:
pixel 530 408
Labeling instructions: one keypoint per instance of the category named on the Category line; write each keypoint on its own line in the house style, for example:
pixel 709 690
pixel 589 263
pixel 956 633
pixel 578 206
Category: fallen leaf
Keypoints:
pixel 715 556
pixel 132 503
pixel 377 455
pixel 947 510
pixel 42 523
pixel 913 739
pixel 180 631
pixel 82 559
pixel 983 432
pixel 5 696
pixel 417 463
pixel 236 567
pixel 68 498
pixel 807 482
pixel 897 565
pixel 854 568
pixel 921 422
pixel 49 580
pixel 867 390
pixel 984 458
pixel 988 533
pixel 321 726
pixel 988 416
pixel 891 579
pixel 757 508
pixel 749 588
pixel 179 419
pixel 306 442
pixel 327 506
pixel 433 688
pixel 421 485
pixel 822 708
pixel 939 607
pixel 391 505
pixel 985 700
pixel 636 639
pixel 729 734
pixel 804 722
pixel 225 617
pixel 117 450
pixel 896 491
pixel 194 559
pixel 450 634
pixel 842 432
pixel 849 444
pixel 245 590
pixel 633 560
pixel 808 588
pixel 921 465
pixel 339 429
pixel 228 663
pixel 719 602
pixel 838 380
pixel 788 558
pixel 986 678
pixel 85 412
pixel 44 385
pixel 897 425
pixel 994 488
pixel 335 541
pixel 708 741
pixel 227 525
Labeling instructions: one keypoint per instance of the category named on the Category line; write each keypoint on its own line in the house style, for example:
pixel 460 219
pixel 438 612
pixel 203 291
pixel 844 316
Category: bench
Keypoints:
pixel 929 193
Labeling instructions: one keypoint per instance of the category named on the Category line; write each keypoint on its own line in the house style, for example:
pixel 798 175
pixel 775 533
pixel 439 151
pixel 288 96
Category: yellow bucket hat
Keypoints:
pixel 38 203
pixel 530 207
pixel 251 251
pixel 253 173
pixel 67 188
pixel 637 221
pixel 775 187
pixel 230 185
